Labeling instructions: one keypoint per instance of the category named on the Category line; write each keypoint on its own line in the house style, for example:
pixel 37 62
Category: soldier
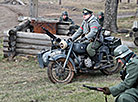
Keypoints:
pixel 101 18
pixel 88 31
pixel 127 90
pixel 65 18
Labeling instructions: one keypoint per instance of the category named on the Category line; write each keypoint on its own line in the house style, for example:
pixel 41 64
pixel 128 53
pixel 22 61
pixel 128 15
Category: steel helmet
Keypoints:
pixel 65 13
pixel 100 14
pixel 121 51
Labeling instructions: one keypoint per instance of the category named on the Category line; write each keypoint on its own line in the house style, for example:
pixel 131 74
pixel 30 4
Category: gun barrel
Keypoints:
pixel 93 88
pixel 48 33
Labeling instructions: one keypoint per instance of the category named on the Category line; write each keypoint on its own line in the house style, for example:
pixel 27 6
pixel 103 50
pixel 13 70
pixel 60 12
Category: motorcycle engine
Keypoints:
pixel 88 62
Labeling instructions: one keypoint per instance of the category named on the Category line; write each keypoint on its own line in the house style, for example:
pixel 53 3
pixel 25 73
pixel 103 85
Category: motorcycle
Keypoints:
pixel 67 58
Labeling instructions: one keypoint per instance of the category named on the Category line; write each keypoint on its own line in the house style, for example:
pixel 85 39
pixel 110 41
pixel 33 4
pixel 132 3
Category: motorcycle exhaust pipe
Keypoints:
pixel 107 66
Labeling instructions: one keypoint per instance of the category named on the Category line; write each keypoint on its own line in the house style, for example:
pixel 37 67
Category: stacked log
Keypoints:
pixel 13 2
pixel 18 41
pixel 10 37
pixel 63 28
pixel 27 43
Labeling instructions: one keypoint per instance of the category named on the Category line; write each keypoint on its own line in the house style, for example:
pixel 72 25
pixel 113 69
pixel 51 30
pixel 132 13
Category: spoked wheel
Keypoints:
pixel 58 74
pixel 115 68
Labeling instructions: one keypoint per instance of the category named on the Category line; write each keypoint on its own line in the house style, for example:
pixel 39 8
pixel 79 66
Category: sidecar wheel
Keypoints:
pixel 57 74
pixel 114 69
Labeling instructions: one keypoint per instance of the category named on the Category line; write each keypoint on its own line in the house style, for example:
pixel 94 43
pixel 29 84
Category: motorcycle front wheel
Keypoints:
pixel 58 74
pixel 114 69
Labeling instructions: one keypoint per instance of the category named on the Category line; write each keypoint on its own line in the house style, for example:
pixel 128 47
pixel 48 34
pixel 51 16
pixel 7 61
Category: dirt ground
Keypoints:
pixel 50 9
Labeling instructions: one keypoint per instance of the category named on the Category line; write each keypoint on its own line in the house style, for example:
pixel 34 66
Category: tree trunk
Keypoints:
pixel 128 1
pixel 110 21
pixel 33 5
pixel 120 1
pixel 137 1
pixel 59 2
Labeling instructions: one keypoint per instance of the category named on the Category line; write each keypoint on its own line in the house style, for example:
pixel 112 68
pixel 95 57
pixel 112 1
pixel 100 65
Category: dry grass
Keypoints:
pixel 22 80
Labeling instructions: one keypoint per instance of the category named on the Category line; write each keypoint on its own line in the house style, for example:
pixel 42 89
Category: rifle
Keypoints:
pixel 96 89
pixel 97 36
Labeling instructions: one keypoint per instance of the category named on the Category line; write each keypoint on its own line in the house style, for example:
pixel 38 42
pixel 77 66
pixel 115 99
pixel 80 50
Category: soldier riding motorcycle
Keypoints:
pixel 66 58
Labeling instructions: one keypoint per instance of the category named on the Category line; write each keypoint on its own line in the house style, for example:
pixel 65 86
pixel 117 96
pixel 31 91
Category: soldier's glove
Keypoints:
pixel 106 91
pixel 83 39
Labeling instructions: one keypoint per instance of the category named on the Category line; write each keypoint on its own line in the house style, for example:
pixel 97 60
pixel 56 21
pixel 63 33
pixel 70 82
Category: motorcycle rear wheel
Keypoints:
pixel 112 70
pixel 57 74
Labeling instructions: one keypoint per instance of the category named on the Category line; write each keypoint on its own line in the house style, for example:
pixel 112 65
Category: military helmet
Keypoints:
pixel 65 13
pixel 121 51
pixel 86 11
pixel 100 14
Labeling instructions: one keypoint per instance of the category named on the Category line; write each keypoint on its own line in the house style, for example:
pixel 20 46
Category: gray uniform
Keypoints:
pixel 89 29
pixel 127 90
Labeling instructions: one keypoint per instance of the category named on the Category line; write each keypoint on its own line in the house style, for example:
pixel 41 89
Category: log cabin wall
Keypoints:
pixel 18 41
pixel 26 43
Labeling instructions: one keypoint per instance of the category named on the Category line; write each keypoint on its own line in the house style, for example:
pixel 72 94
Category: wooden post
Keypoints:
pixel 120 1
pixel 59 2
pixel 33 8
pixel 12 43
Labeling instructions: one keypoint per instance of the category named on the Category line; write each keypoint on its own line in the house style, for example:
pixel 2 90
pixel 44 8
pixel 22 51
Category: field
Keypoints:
pixel 21 79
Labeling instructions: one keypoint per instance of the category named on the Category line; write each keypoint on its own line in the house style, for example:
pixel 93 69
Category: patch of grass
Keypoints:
pixel 1 46
pixel 126 23
pixel 22 80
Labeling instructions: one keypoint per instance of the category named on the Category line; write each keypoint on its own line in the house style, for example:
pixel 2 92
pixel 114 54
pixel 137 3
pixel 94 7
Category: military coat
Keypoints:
pixel 128 89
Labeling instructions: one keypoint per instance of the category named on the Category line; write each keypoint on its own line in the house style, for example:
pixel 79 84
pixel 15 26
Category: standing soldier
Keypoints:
pixel 127 90
pixel 88 32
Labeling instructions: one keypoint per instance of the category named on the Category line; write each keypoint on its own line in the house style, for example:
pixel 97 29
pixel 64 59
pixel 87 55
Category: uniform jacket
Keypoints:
pixel 89 28
pixel 130 83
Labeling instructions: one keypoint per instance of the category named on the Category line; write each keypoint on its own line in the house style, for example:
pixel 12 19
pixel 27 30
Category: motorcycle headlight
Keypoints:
pixel 63 44
pixel 107 33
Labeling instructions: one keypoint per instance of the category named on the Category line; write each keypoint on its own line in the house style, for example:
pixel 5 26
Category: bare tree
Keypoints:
pixel 120 1
pixel 33 5
pixel 110 21
pixel 59 2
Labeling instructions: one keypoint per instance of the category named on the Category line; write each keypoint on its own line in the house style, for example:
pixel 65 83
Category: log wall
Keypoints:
pixel 18 41
pixel 26 43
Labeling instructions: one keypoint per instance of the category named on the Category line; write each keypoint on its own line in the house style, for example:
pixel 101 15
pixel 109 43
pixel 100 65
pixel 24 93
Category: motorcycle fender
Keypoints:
pixel 54 58
pixel 41 56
